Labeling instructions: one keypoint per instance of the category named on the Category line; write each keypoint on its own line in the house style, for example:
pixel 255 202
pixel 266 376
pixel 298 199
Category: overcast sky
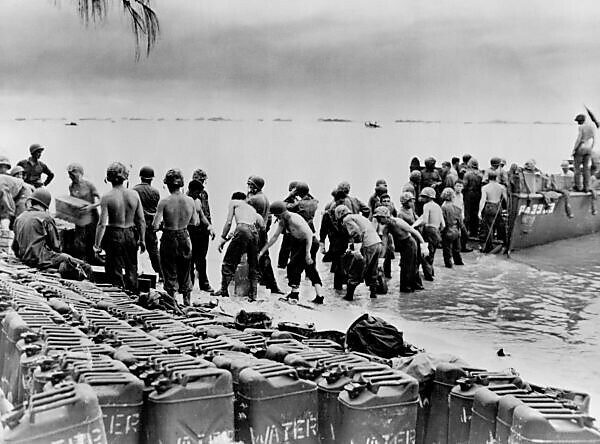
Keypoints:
pixel 382 60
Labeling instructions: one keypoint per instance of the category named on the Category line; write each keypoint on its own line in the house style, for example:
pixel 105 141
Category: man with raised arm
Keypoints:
pixel 121 229
pixel 175 213
pixel 243 240
pixel 303 250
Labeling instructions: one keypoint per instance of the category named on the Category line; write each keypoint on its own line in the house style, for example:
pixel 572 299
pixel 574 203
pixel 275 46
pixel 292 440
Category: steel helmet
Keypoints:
pixel 416 175
pixel 42 196
pixel 341 211
pixel 407 196
pixel 35 147
pixel 75 167
pixel 382 211
pixel 257 181
pixel 199 175
pixel 447 194
pixel 301 188
pixel 117 170
pixel 16 170
pixel 428 192
pixel 429 162
pixel 4 161
pixel 147 172
pixel 580 118
pixel 174 177
pixel 473 163
pixel 277 208
pixel 495 161
pixel 344 187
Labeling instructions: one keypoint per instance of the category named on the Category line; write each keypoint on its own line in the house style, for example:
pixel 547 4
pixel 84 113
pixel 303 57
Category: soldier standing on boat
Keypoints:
pixel 582 152
pixel 121 230
pixel 490 213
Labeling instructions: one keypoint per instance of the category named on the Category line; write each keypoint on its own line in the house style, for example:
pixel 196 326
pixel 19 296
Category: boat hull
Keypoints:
pixel 533 223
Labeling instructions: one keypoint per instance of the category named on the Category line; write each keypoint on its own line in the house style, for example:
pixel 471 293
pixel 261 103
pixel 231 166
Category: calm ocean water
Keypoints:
pixel 541 306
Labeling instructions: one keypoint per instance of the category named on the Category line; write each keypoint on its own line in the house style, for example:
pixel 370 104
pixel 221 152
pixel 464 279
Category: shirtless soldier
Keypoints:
pixel 303 250
pixel 175 213
pixel 121 229
pixel 244 240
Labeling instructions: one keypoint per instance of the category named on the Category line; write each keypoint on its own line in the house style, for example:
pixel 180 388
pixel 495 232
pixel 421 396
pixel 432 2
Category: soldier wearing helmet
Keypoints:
pixel 173 215
pixel 338 238
pixel 407 208
pixel 303 250
pixel 432 221
pixel 34 167
pixel 472 194
pixel 381 188
pixel 305 204
pixel 243 240
pixel 149 197
pixel 406 240
pixel 451 234
pixel 414 187
pixel 284 249
pixel 84 234
pixel 368 249
pixel 14 195
pixel 430 174
pixel 4 165
pixel 259 201
pixel 501 174
pixel 122 229
pixel 202 233
pixel 355 205
pixel 36 241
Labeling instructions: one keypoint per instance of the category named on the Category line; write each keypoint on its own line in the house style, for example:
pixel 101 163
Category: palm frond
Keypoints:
pixel 144 21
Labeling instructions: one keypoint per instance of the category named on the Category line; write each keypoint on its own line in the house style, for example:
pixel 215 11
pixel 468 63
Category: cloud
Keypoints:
pixel 432 59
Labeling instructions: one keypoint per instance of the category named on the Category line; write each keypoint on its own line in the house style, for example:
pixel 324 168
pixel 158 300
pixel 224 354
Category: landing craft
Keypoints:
pixel 372 124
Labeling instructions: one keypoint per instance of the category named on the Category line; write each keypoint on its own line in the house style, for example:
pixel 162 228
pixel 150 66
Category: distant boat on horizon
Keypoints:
pixel 372 124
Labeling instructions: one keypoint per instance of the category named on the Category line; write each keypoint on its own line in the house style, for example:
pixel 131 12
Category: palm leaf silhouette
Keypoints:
pixel 144 21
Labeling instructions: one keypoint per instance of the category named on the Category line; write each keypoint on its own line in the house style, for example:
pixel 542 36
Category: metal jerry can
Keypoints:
pixel 120 398
pixel 66 414
pixel 461 401
pixel 194 406
pixel 278 349
pixel 379 409
pixel 485 410
pixel 507 405
pixel 534 426
pixel 277 406
pixel 329 386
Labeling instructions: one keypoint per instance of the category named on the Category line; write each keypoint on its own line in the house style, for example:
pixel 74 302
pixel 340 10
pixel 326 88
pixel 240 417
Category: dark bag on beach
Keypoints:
pixel 375 336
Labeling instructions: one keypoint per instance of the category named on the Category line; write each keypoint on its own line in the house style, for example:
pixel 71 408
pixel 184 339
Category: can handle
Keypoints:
pixel 198 374
pixel 281 372
pixel 582 420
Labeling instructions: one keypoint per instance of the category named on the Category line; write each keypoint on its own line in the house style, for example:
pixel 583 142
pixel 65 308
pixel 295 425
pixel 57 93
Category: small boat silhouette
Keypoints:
pixel 372 124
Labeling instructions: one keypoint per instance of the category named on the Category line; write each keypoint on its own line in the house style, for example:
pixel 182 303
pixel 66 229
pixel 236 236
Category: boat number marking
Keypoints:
pixel 537 209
